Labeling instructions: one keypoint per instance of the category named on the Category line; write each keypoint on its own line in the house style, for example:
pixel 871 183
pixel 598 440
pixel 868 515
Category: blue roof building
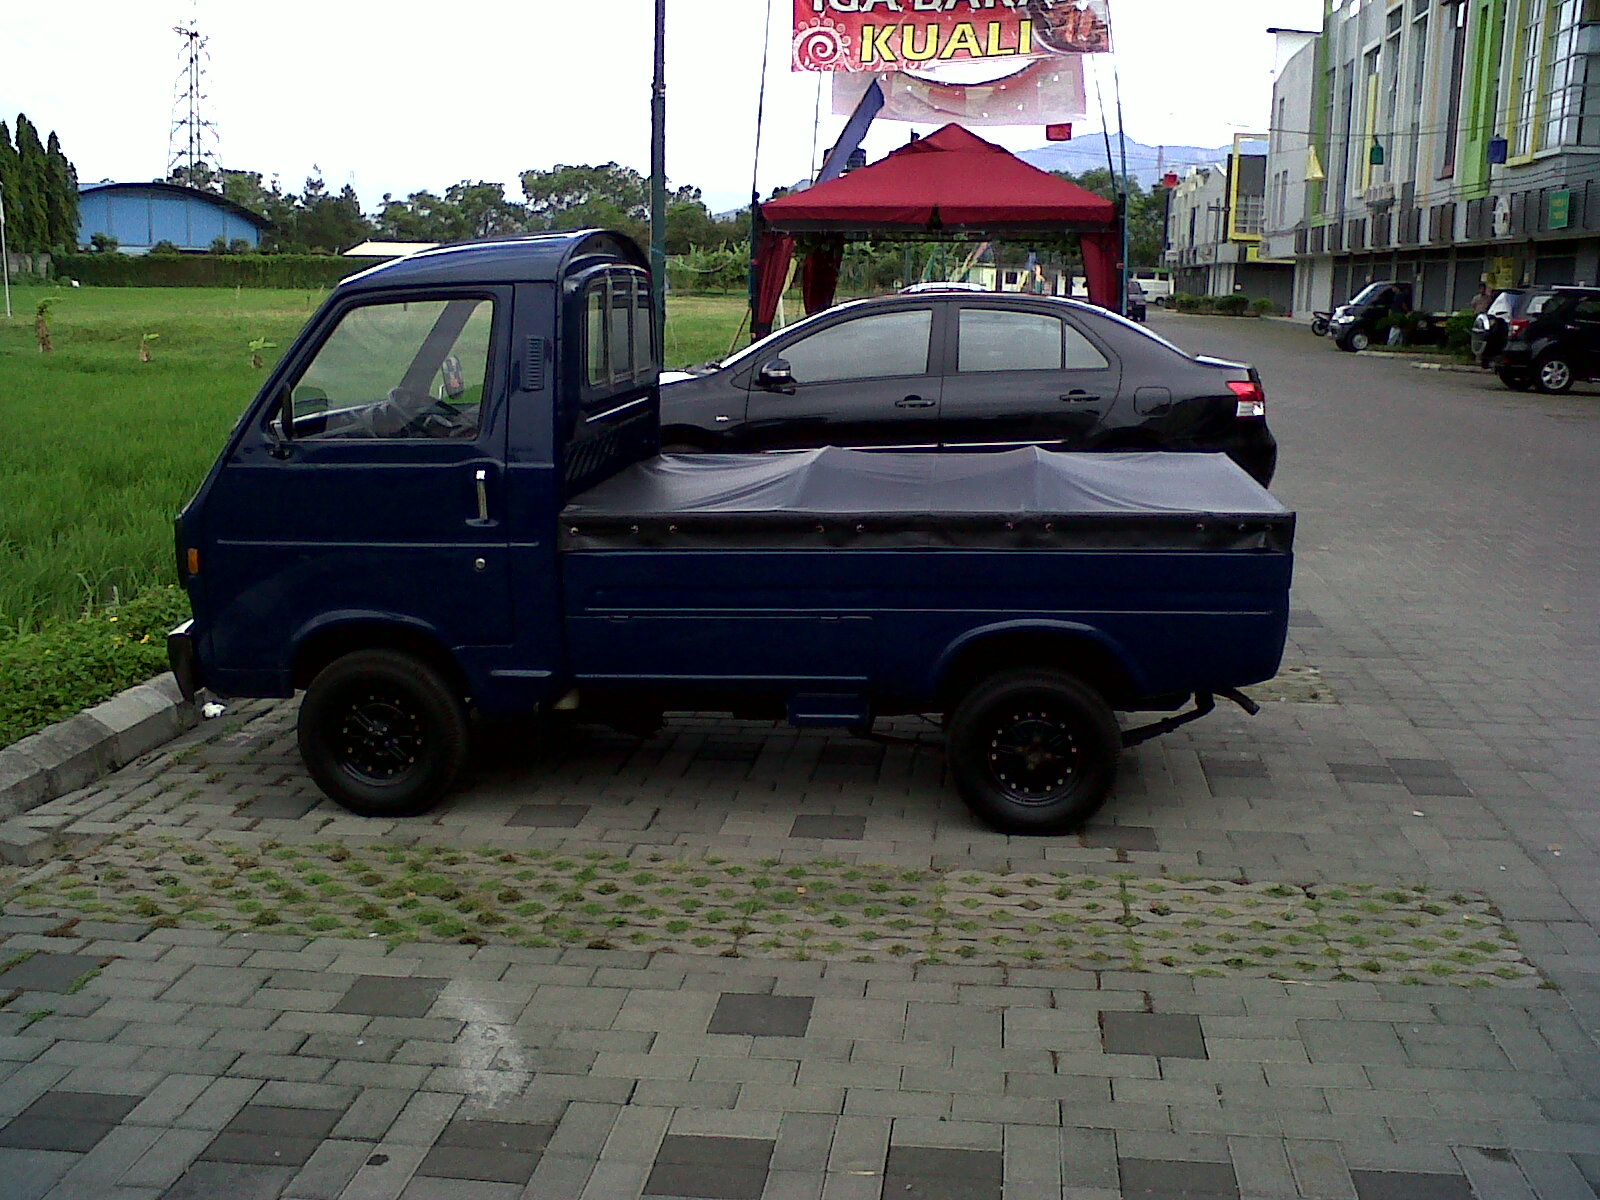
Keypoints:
pixel 139 215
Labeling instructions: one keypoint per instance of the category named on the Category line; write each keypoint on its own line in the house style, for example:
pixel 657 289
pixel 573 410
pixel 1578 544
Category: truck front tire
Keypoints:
pixel 1033 751
pixel 382 733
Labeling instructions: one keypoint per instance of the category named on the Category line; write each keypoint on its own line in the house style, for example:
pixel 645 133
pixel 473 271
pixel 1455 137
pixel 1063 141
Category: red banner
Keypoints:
pixel 900 35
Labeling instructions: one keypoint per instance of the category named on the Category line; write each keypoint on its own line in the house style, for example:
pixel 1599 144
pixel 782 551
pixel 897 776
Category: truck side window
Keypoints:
pixel 407 369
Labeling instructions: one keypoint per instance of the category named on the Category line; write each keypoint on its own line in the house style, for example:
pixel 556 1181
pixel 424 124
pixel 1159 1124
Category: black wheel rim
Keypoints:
pixel 378 735
pixel 1033 752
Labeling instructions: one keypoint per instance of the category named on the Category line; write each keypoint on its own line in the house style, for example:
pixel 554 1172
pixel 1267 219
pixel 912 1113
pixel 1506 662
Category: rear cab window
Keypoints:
pixel 619 353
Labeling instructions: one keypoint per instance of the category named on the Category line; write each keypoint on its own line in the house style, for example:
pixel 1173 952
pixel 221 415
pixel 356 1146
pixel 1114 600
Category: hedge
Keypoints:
pixel 209 270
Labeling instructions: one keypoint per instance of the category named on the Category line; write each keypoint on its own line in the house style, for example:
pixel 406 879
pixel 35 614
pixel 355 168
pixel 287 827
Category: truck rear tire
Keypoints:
pixel 1033 751
pixel 382 733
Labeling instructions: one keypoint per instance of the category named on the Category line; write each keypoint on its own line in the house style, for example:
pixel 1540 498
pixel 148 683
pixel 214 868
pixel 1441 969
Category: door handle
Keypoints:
pixel 1079 396
pixel 913 402
pixel 481 482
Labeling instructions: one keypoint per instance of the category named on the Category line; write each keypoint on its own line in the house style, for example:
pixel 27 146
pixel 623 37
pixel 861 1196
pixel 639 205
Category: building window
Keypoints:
pixel 1457 41
pixel 1558 74
pixel 1531 45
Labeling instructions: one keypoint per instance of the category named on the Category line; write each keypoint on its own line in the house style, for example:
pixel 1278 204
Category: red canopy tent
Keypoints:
pixel 951 183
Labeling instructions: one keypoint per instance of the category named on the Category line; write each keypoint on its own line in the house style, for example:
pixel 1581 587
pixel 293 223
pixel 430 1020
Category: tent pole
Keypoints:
pixel 658 172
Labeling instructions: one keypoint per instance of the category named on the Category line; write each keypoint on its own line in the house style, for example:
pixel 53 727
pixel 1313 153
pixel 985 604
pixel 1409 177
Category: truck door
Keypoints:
pixel 372 489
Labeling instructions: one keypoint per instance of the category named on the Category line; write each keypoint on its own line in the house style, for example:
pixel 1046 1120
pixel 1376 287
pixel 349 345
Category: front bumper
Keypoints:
pixel 183 656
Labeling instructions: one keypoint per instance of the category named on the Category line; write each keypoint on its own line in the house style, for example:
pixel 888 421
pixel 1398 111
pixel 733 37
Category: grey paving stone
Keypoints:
pixel 713 1168
pixel 761 1015
pixel 549 816
pixel 1176 1035
pixel 839 828
pixel 49 972
pixel 472 1162
pixel 387 996
pixel 278 808
pixel 236 1181
pixel 1121 837
pixel 1364 1042
pixel 1145 1177
pixel 29 1174
pixel 1409 1185
pixel 267 1150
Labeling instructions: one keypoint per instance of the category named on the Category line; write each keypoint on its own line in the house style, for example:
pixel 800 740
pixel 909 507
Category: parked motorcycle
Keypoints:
pixel 1319 323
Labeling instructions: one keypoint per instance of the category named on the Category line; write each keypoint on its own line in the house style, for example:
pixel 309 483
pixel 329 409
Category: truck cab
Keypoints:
pixel 447 501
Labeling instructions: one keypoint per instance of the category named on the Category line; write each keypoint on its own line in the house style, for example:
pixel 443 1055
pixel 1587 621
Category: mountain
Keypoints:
pixel 1087 152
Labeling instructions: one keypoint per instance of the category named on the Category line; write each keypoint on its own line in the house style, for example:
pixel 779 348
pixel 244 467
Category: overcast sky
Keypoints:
pixel 397 98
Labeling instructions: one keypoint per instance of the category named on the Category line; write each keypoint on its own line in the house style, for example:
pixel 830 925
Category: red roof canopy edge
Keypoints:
pixel 950 178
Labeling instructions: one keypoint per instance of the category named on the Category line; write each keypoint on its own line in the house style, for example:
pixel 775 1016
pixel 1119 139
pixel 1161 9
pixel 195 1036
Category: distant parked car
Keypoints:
pixel 1136 301
pixel 1490 329
pixel 961 370
pixel 1553 339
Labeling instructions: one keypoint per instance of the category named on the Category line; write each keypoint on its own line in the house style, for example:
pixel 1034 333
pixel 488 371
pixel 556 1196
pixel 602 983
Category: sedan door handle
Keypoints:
pixel 1079 396
pixel 913 402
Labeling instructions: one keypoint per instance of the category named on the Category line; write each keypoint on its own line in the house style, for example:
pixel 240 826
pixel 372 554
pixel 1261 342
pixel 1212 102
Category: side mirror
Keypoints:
pixel 776 376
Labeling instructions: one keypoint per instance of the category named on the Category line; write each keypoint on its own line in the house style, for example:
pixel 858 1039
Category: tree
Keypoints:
pixel 482 210
pixel 41 191
pixel 325 223
pixel 1146 213
pixel 420 217
pixel 249 190
pixel 61 196
pixel 612 196
pixel 28 226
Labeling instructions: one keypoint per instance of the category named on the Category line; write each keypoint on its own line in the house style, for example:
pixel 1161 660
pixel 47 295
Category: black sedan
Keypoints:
pixel 965 370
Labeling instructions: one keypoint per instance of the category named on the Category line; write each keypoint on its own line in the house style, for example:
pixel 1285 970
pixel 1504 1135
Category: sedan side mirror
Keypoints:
pixel 776 376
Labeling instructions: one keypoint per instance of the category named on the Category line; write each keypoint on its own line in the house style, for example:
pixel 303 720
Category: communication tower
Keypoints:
pixel 192 144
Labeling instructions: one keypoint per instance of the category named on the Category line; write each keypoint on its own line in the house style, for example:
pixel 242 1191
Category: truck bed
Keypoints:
pixel 862 571
pixel 855 499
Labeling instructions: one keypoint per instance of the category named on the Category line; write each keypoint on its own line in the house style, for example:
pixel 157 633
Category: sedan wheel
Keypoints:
pixel 1553 375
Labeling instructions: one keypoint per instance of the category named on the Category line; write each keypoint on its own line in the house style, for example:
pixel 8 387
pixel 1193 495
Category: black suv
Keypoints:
pixel 1552 339
pixel 966 370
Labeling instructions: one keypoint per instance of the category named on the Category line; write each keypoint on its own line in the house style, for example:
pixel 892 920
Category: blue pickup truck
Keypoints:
pixel 447 503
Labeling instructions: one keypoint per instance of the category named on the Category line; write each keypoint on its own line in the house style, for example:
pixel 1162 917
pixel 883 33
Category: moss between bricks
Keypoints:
pixel 824 910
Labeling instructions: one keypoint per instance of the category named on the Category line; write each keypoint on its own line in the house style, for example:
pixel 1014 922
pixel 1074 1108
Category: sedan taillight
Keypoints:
pixel 1252 400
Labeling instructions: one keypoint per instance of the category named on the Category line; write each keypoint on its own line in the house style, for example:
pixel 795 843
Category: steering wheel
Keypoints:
pixel 418 414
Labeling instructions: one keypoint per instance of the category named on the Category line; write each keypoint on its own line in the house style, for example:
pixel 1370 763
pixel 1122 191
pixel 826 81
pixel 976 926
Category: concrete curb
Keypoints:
pixel 72 754
pixel 1458 368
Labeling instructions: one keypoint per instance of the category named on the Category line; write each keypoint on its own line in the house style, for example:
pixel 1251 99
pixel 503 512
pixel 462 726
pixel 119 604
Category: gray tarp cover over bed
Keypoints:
pixel 1013 498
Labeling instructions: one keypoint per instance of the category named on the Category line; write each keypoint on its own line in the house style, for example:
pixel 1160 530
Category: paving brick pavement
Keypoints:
pixel 1434 739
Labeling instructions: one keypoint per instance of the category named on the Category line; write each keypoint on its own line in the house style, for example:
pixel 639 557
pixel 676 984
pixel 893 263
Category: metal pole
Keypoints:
pixel 5 259
pixel 658 172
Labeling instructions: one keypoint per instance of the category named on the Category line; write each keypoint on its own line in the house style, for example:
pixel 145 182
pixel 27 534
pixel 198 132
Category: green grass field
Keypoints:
pixel 98 450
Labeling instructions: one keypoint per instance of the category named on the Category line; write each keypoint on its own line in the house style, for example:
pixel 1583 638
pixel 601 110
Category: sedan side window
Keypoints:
pixel 993 339
pixel 413 369
pixel 873 347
